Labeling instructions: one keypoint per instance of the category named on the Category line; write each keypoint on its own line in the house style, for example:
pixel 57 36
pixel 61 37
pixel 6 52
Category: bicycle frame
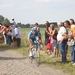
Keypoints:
pixel 35 53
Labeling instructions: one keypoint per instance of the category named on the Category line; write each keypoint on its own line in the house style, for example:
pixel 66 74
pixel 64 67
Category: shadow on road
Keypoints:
pixel 12 58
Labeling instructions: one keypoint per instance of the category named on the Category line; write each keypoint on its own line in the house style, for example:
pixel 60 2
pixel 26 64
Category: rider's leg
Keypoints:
pixel 30 48
pixel 31 43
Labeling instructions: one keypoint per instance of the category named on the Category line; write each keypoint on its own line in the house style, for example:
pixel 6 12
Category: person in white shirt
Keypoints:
pixel 62 41
pixel 17 35
pixel 61 31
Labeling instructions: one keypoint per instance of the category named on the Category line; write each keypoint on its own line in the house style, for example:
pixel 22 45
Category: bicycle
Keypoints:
pixel 35 53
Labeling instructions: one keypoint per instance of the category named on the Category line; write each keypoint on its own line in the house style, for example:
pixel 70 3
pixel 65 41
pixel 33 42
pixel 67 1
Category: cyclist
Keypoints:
pixel 33 36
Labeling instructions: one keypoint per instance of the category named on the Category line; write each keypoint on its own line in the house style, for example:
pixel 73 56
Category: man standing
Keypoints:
pixel 13 22
pixel 72 28
pixel 17 35
pixel 62 41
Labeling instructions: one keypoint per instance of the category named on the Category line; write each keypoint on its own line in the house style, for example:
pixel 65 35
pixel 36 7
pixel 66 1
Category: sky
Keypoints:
pixel 32 11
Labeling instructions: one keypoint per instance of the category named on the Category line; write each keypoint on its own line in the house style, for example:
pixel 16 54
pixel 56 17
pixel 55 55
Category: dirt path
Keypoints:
pixel 12 63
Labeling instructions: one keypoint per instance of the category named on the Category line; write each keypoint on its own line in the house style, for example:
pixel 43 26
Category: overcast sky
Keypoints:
pixel 31 11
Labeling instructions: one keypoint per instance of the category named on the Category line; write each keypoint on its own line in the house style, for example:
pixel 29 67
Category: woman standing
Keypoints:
pixel 46 32
pixel 53 40
pixel 47 36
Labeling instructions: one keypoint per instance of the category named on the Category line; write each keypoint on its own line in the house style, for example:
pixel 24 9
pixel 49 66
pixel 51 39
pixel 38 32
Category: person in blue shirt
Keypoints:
pixel 13 22
pixel 33 36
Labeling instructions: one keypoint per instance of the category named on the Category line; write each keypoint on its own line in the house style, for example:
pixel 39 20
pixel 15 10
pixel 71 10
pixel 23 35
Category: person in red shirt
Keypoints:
pixel 4 32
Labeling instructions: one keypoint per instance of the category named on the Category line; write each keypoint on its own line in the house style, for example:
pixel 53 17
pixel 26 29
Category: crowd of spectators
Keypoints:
pixel 60 39
pixel 10 34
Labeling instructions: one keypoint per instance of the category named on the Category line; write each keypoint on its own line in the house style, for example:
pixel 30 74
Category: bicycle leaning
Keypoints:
pixel 34 53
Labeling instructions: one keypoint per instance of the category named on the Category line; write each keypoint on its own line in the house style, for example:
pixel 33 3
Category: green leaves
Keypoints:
pixel 4 20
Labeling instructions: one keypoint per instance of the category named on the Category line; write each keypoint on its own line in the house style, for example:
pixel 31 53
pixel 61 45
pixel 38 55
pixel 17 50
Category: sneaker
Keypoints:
pixel 30 54
pixel 52 56
pixel 73 64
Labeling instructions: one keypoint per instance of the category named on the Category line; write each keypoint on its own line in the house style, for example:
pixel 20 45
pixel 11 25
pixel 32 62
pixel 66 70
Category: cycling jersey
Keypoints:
pixel 33 36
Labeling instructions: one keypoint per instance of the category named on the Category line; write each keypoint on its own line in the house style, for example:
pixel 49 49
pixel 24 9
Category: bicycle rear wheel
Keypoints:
pixel 37 57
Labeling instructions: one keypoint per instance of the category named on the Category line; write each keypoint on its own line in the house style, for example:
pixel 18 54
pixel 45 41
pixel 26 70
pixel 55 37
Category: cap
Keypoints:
pixel 12 17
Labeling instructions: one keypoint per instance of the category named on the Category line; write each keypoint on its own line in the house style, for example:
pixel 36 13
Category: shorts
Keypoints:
pixel 54 44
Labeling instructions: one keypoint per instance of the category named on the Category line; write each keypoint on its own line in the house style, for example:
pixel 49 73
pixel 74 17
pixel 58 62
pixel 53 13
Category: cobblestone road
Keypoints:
pixel 12 63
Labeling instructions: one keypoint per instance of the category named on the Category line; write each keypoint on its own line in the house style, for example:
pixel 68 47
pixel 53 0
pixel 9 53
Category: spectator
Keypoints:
pixel 1 36
pixel 47 41
pixel 9 36
pixel 71 21
pixel 17 36
pixel 72 41
pixel 46 32
pixel 53 39
pixel 13 39
pixel 4 32
pixel 13 22
pixel 62 41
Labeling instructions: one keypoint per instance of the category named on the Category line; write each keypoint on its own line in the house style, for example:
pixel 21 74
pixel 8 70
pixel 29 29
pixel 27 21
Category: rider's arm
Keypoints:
pixel 29 40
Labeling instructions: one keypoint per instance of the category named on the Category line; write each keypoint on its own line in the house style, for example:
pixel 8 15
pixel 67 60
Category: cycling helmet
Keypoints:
pixel 34 29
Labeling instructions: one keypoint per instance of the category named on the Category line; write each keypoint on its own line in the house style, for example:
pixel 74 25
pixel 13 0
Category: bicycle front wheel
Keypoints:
pixel 37 57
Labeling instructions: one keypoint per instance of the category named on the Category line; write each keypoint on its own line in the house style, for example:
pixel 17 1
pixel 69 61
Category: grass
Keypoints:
pixel 45 59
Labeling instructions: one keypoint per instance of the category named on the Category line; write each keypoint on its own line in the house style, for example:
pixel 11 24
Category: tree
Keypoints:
pixel 6 21
pixel 1 18
pixel 19 24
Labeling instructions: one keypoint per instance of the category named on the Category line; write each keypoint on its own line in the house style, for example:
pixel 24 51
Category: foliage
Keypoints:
pixel 1 19
pixel 19 24
pixel 6 21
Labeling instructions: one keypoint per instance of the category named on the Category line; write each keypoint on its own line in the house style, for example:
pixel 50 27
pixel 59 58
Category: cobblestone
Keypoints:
pixel 12 63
